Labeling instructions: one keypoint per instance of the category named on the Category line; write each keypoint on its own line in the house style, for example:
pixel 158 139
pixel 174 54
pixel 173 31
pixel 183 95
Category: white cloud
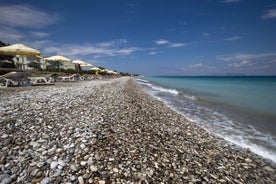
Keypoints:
pixel 198 69
pixel 241 57
pixel 273 61
pixel 231 1
pixel 10 35
pixel 39 34
pixel 115 42
pixel 161 42
pixel 270 14
pixel 25 16
pixel 111 48
pixel 152 53
pixel 232 38
pixel 241 64
pixel 198 65
pixel 177 45
pixel 169 44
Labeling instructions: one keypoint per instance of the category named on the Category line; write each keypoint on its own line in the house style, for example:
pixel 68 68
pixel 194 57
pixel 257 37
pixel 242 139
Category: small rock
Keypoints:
pixel 101 182
pixel 74 167
pixel 82 146
pixel 51 151
pixel 5 136
pixel 3 176
pixel 93 168
pixel 45 180
pixel 6 181
pixel 269 168
pixel 57 173
pixel 73 178
pixel 90 161
pixel 115 170
pixel 53 165
pixel 80 179
pixel 36 180
pixel 34 172
pixel 83 163
pixel 40 164
pixel 61 163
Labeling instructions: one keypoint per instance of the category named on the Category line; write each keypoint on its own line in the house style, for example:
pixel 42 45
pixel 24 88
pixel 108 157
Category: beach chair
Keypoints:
pixel 13 79
pixel 35 81
pixel 71 78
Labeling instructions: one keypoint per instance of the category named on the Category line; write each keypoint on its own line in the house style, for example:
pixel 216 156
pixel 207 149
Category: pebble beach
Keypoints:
pixel 112 131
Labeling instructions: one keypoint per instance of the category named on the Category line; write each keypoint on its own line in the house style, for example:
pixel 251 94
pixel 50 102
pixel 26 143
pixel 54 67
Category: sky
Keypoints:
pixel 149 37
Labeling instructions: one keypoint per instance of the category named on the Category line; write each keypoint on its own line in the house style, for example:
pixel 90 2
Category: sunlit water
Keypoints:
pixel 241 110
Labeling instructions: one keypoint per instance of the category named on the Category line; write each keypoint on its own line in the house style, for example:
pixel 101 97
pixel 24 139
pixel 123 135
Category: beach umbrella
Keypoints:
pixel 19 49
pixel 95 68
pixel 111 72
pixel 57 58
pixel 79 62
pixel 82 63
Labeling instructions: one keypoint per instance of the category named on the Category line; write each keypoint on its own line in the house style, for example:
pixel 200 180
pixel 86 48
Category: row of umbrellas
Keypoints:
pixel 22 50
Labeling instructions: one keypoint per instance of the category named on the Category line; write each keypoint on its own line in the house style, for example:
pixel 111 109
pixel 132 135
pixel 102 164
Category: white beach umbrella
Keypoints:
pixel 79 62
pixel 57 58
pixel 95 68
pixel 82 63
pixel 19 49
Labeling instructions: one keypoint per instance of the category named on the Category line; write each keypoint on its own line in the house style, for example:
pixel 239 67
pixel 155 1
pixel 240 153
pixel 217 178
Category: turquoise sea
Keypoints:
pixel 241 110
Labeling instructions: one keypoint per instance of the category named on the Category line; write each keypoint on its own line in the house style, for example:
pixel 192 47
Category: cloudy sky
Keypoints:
pixel 150 37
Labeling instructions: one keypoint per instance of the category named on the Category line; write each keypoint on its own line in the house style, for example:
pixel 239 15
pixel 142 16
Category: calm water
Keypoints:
pixel 241 110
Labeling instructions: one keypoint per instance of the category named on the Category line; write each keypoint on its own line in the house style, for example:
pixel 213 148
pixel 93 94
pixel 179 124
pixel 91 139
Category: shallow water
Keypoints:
pixel 241 110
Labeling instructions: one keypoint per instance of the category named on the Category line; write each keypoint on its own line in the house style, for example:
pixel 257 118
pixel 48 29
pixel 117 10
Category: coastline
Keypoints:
pixel 111 130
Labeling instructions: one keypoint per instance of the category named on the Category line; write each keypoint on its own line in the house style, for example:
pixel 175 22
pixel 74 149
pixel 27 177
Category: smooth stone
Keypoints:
pixel 34 172
pixel 74 167
pixel 53 165
pixel 73 178
pixel 3 176
pixel 45 180
pixel 40 164
pixel 80 179
pixel 4 136
pixel 111 159
pixel 36 180
pixel 82 146
pixel 60 167
pixel 90 161
pixel 101 182
pixel 6 181
pixel 51 151
pixel 58 172
pixel 115 170
pixel 93 168
pixel 61 163
pixel 83 163
pixel 269 168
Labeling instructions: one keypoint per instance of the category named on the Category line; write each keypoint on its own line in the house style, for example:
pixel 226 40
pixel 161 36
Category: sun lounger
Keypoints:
pixel 41 81
pixel 13 79
pixel 71 78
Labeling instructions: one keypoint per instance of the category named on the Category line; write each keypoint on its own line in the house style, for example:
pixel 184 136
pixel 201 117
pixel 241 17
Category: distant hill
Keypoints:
pixel 2 44
pixel 3 57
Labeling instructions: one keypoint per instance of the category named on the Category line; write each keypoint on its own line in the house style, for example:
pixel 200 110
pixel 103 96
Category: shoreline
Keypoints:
pixel 112 130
